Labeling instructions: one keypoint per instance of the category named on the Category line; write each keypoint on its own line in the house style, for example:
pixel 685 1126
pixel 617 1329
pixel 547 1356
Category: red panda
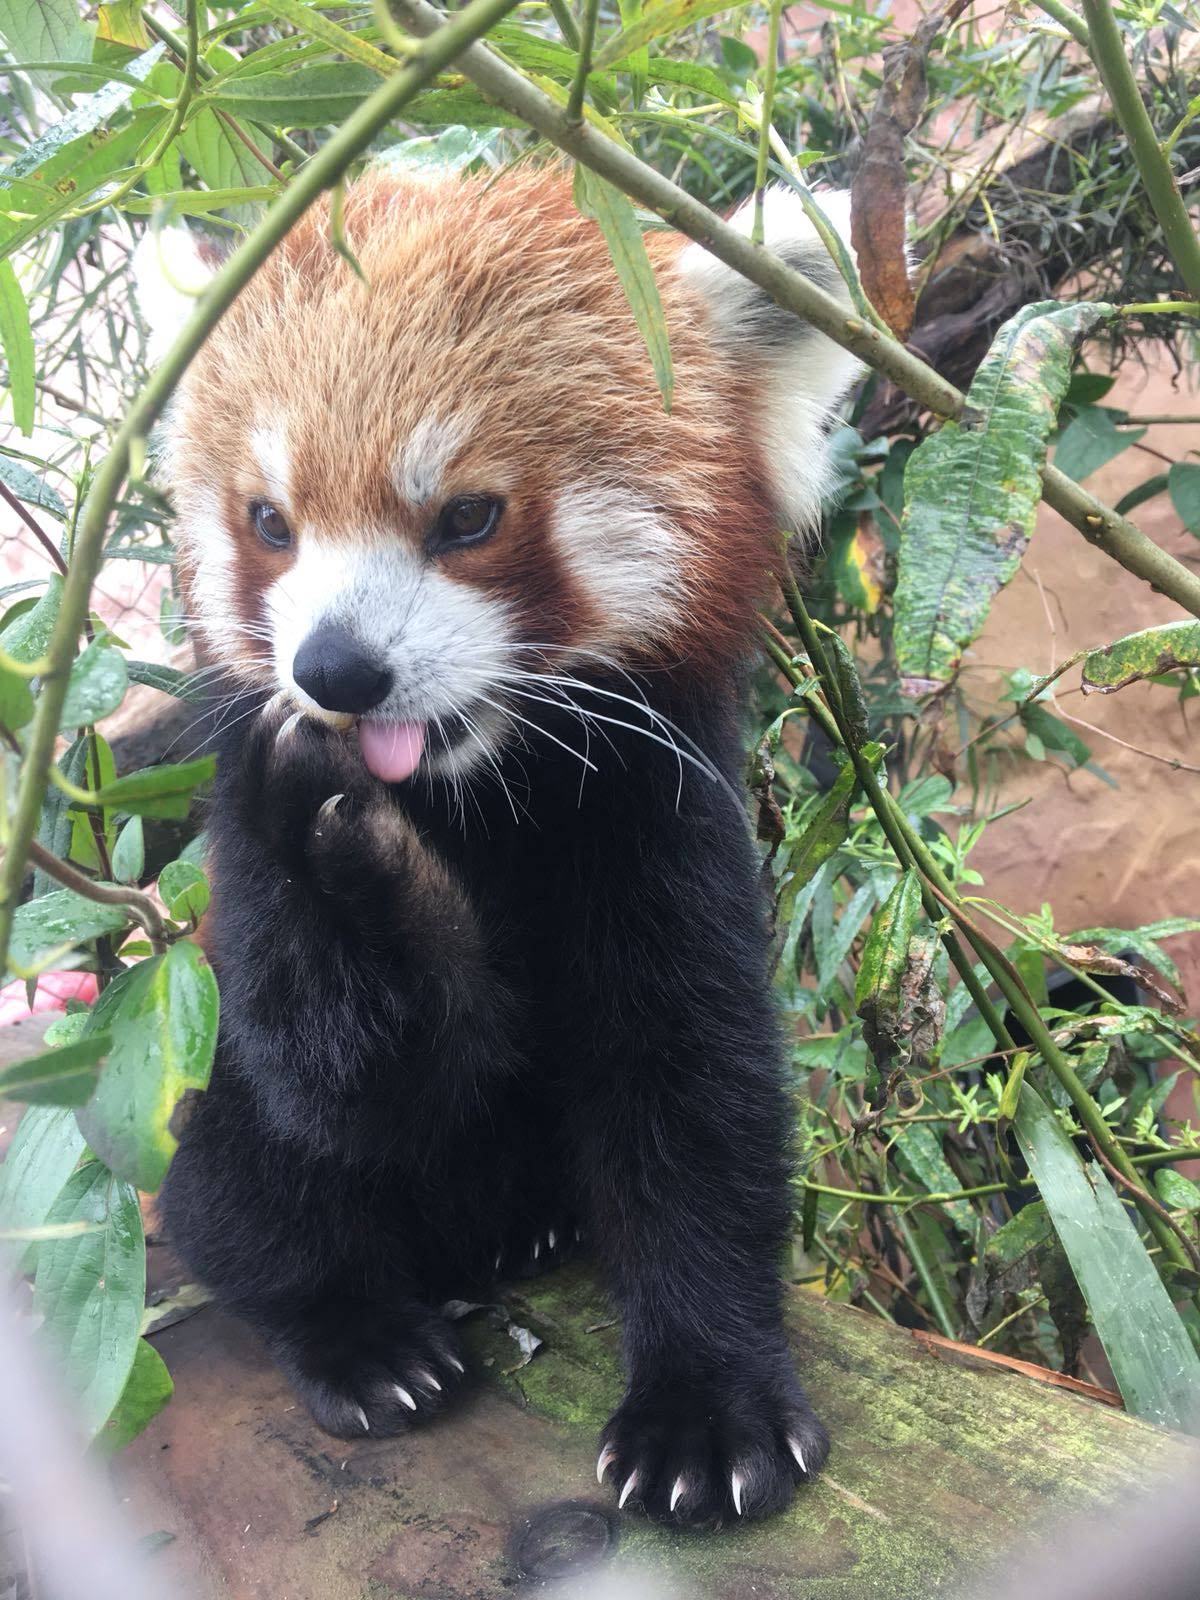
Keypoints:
pixel 493 968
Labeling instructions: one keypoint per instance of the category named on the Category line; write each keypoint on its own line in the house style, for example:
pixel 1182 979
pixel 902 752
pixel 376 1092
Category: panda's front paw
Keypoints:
pixel 699 1453
pixel 370 1370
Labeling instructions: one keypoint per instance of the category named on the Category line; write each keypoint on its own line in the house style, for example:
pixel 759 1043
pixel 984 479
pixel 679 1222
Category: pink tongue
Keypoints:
pixel 391 750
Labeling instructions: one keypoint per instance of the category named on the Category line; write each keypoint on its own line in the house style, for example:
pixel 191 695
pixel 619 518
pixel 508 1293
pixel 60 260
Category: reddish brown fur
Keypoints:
pixel 496 295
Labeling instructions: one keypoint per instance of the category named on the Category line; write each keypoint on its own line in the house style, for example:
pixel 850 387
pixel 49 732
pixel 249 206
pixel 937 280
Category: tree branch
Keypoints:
pixel 141 906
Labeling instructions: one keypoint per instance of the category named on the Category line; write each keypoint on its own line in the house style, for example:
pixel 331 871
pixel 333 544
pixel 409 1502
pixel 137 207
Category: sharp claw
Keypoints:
pixel 406 1399
pixel 362 1417
pixel 552 1240
pixel 630 1486
pixel 736 1483
pixel 276 703
pixel 288 728
pixel 678 1492
pixel 454 1362
pixel 327 811
pixel 498 1260
pixel 428 1377
pixel 537 1248
pixel 607 1456
pixel 794 1447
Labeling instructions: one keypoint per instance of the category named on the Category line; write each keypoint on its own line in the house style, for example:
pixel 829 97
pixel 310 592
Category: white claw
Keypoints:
pixel 329 808
pixel 456 1364
pixel 405 1398
pixel 498 1260
pixel 288 728
pixel 362 1417
pixel 737 1483
pixel 552 1240
pixel 428 1377
pixel 578 1236
pixel 794 1447
pixel 630 1486
pixel 607 1456
pixel 537 1248
pixel 678 1492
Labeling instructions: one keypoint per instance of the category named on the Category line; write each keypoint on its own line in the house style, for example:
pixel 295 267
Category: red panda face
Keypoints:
pixel 401 495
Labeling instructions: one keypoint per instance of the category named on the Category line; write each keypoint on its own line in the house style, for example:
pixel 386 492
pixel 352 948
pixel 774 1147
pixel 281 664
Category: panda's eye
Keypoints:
pixel 270 525
pixel 469 519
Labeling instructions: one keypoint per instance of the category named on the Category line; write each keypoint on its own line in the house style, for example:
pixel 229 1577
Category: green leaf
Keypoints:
pixel 162 1016
pixel 184 890
pixel 1141 655
pixel 91 1289
pixel 16 338
pixel 918 1150
pixel 1176 1191
pixel 1143 492
pixel 169 679
pixel 56 921
pixel 451 150
pixel 824 830
pixel 64 1076
pixel 129 853
pixel 849 685
pixel 317 26
pixel 308 97
pixel 654 23
pixel 87 116
pixel 147 1390
pixel 45 30
pixel 1183 483
pixel 895 993
pixel 224 163
pixel 97 686
pixel 1027 1231
pixel 972 490
pixel 1152 1358
pixel 30 488
pixel 45 1150
pixel 1091 441
pixel 27 637
pixel 158 791
pixel 615 216
pixel 16 699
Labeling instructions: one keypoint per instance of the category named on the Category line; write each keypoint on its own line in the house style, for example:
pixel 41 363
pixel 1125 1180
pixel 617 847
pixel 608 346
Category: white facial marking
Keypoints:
pixel 271 452
pixel 625 558
pixel 423 458
pixel 202 528
pixel 445 643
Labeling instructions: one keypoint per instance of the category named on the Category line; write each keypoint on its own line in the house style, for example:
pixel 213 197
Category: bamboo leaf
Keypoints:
pixel 16 337
pixel 615 216
pixel 972 490
pixel 1153 1360
pixel 1141 655
pixel 162 1018
pixel 654 23
pixel 91 1288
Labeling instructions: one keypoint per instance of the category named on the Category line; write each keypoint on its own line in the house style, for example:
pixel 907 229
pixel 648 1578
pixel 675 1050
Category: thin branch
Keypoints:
pixel 591 11
pixel 31 522
pixel 1140 1195
pixel 141 906
pixel 501 83
pixel 1108 52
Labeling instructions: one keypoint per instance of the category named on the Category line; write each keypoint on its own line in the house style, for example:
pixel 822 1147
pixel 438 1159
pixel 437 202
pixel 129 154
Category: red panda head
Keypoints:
pixel 399 492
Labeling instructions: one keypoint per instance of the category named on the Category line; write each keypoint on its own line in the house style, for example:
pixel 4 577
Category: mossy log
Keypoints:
pixel 939 1463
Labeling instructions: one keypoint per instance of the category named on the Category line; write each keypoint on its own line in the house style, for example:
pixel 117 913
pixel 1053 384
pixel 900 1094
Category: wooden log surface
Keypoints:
pixel 939 1462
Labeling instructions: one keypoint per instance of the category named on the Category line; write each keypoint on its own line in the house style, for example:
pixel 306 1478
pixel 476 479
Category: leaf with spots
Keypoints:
pixel 972 491
pixel 1141 655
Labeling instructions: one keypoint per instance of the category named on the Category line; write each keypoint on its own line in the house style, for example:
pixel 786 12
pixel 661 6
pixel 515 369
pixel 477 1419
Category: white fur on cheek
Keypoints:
pixel 212 557
pixel 625 558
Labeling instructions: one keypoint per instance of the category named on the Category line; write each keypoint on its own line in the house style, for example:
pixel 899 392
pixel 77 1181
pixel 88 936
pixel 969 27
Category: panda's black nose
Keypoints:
pixel 337 672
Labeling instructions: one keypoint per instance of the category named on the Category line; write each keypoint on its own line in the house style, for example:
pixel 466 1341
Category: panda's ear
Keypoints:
pixel 171 267
pixel 801 375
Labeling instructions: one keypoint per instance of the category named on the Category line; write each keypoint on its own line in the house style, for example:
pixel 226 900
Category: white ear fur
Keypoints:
pixel 168 273
pixel 804 375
